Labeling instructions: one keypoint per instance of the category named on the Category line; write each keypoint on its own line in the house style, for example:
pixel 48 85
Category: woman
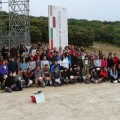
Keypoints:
pixel 118 69
pixel 114 75
pixel 65 78
pixel 78 74
pixel 97 64
pixel 32 64
pixel 24 65
pixel 56 76
pixel 86 75
pixel 20 82
pixel 94 76
pixel 104 74
pixel 64 63
pixel 10 84
pixel 104 62
pixel 71 76
pixel 86 62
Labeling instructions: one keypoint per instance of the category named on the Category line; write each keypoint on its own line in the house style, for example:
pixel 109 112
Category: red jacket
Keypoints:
pixel 35 57
pixel 104 63
pixel 104 73
pixel 116 60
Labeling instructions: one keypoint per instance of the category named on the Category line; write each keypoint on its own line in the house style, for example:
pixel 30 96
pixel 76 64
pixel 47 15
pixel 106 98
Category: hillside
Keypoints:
pixel 80 32
pixel 105 47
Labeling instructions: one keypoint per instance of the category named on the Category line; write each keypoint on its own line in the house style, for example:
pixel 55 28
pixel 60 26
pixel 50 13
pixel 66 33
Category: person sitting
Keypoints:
pixel 32 64
pixel 114 75
pixel 24 65
pixel 13 66
pixel 39 75
pixel 78 75
pixel 64 74
pixel 86 75
pixel 56 76
pixel 53 66
pixel 29 77
pixel 94 76
pixel 64 63
pixel 47 75
pixel 86 61
pixel 116 59
pixel 97 64
pixel 44 62
pixel 10 84
pixel 38 62
pixel 104 74
pixel 71 76
pixel 118 69
pixel 104 62
pixel 3 71
pixel 19 81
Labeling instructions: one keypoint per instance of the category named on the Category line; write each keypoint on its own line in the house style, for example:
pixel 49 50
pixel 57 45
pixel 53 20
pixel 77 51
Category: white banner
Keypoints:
pixel 58 27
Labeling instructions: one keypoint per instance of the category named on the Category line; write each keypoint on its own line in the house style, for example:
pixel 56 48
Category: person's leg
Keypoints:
pixel 8 89
pixel 112 79
pixel 92 80
pixel 26 81
pixel 32 78
pixel 18 86
pixel 62 81
pixel 43 83
pixel 37 82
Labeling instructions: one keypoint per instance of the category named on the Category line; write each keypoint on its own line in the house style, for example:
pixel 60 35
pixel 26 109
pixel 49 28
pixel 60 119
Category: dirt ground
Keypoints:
pixel 71 102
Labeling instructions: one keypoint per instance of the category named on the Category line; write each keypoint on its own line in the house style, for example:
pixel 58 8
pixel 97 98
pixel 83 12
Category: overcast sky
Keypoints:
pixel 108 10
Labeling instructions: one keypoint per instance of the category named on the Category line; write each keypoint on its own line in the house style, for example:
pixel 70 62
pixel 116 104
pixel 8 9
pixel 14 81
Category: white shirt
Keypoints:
pixel 64 63
pixel 32 65
pixel 33 52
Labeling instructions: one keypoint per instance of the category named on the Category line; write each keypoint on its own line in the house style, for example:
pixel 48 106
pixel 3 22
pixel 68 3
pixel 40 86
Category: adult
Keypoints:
pixel 39 75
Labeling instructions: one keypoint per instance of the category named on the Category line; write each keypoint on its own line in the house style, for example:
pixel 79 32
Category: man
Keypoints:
pixel 28 76
pixel 4 51
pixel 53 66
pixel 20 48
pixel 47 75
pixel 13 66
pixel 56 76
pixel 39 75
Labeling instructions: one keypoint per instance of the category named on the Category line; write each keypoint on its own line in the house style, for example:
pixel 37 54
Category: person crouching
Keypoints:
pixel 39 75
pixel 47 75
pixel 56 76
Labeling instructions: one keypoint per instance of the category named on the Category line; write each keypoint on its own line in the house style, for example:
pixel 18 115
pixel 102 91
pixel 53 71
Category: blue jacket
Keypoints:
pixel 53 67
pixel 24 66
pixel 3 69
pixel 114 74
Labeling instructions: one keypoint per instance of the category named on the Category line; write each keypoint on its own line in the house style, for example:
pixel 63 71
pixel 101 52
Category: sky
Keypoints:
pixel 104 10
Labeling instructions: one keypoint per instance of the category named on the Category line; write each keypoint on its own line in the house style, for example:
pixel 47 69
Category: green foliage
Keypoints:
pixel 80 36
pixel 81 32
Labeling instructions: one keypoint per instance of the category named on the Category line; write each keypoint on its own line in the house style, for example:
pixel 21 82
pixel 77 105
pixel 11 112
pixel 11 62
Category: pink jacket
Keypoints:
pixel 104 63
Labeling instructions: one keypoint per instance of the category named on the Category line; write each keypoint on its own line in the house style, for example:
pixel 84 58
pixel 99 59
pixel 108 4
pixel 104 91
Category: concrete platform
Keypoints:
pixel 71 102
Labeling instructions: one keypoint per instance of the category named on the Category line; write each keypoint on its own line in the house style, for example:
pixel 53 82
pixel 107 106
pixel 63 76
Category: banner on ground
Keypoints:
pixel 58 27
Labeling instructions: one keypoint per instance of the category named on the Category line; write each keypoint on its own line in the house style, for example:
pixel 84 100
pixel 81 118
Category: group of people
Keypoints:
pixel 38 65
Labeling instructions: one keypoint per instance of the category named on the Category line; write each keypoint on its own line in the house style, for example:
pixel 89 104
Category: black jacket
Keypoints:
pixel 9 81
